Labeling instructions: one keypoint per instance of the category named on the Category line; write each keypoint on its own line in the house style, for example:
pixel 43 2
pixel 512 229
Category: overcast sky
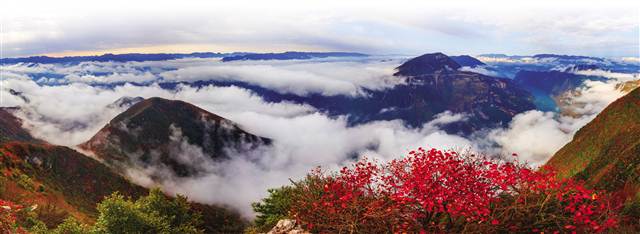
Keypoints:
pixel 598 28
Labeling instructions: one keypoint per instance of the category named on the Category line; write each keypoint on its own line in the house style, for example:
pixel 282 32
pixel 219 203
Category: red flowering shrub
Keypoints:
pixel 542 203
pixel 435 191
pixel 346 202
pixel 9 216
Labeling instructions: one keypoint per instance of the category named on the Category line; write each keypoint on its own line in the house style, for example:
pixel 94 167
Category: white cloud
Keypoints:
pixel 71 114
pixel 331 76
pixel 609 74
pixel 300 143
pixel 295 77
pixel 536 135
pixel 480 70
pixel 111 78
pixel 630 59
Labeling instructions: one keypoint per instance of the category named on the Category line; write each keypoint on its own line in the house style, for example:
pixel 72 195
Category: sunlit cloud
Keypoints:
pixel 411 27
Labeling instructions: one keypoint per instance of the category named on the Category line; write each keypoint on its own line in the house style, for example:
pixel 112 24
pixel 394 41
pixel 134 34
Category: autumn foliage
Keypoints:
pixel 9 214
pixel 443 191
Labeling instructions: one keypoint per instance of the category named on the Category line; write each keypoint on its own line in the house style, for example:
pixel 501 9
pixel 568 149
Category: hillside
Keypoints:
pixel 61 182
pixel 55 175
pixel 606 152
pixel 157 132
pixel 10 128
pixel 467 61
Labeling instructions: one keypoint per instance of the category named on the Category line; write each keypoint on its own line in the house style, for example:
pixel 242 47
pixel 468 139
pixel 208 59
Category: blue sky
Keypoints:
pixel 596 28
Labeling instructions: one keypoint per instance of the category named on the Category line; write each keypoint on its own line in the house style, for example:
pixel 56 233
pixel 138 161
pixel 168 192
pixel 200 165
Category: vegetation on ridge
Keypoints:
pixel 443 191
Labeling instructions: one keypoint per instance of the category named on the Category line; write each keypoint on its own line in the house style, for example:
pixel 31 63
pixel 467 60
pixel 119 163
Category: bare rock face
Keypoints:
pixel 287 226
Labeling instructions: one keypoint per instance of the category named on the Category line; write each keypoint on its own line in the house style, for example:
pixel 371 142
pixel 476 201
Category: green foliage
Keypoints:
pixel 71 226
pixel 274 207
pixel 154 213
pixel 27 218
pixel 25 182
pixel 172 212
pixel 119 215
pixel 38 227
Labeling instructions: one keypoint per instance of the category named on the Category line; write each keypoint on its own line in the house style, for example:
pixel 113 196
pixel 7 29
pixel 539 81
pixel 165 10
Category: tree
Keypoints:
pixel 71 226
pixel 274 207
pixel 154 213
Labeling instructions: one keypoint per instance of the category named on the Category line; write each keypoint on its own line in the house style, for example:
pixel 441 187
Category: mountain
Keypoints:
pixel 567 57
pixel 551 82
pixel 432 85
pixel 11 127
pixel 426 64
pixel 436 86
pixel 168 133
pixel 547 85
pixel 61 175
pixel 138 57
pixel 467 61
pixel 60 181
pixel 125 102
pixel 581 67
pixel 606 152
pixel 289 56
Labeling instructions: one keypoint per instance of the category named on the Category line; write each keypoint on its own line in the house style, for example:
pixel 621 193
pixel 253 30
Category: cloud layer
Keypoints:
pixel 65 106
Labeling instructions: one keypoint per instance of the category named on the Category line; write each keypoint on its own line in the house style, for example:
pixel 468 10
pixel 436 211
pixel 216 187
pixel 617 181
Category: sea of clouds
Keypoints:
pixel 67 104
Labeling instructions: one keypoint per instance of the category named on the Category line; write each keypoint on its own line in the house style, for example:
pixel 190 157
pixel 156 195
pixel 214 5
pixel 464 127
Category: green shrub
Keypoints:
pixel 274 207
pixel 71 226
pixel 25 182
pixel 154 213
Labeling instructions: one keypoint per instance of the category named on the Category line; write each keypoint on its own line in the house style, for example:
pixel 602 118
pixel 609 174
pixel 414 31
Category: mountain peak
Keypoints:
pixel 162 132
pixel 426 64
pixel 467 61
pixel 125 101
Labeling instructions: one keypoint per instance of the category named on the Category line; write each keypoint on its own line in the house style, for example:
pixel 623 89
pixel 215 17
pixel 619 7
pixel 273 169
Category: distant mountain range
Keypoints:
pixel 137 57
pixel 132 57
pixel 434 85
pixel 290 55
pixel 509 65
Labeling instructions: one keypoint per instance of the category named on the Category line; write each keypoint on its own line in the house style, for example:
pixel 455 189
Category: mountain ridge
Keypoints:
pixel 606 151
pixel 152 132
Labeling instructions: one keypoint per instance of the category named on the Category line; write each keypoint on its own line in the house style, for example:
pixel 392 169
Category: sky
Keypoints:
pixel 59 28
